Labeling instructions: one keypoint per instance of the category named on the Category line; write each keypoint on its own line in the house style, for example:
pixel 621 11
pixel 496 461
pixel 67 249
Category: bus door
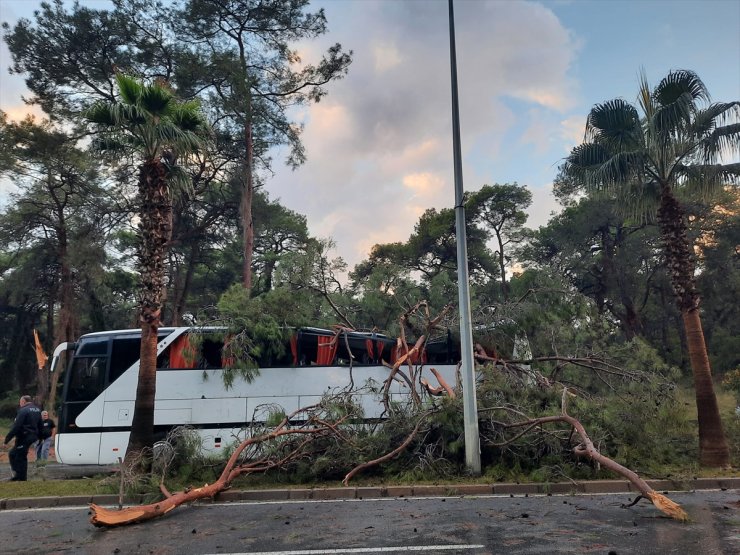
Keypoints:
pixel 79 422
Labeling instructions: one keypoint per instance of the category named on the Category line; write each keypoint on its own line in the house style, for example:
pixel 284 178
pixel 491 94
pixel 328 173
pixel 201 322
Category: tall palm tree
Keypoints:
pixel 677 143
pixel 149 121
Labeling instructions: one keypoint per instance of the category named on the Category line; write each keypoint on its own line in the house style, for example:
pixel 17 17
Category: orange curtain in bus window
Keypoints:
pixel 326 350
pixel 182 354
pixel 369 347
pixel 294 348
pixel 380 346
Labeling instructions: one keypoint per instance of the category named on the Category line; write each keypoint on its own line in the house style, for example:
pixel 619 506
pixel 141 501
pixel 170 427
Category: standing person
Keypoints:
pixel 25 430
pixel 46 435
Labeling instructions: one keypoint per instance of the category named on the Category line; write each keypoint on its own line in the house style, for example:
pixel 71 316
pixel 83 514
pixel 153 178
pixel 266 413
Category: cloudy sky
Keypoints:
pixel 379 146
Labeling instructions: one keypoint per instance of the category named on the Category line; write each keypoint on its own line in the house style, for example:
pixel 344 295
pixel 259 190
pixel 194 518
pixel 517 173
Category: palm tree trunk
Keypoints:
pixel 713 448
pixel 142 426
pixel 155 230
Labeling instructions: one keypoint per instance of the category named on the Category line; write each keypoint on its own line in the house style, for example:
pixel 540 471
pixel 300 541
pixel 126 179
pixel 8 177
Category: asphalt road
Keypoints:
pixel 436 526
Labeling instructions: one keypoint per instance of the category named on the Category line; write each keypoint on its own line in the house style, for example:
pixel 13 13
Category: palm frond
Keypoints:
pixel 180 180
pixel 129 88
pixel 716 114
pixel 679 83
pixel 721 142
pixel 671 118
pixel 677 144
pixel 620 168
pixel 150 119
pixel 598 168
pixel 585 158
pixel 706 180
pixel 676 97
pixel 616 122
pixel 188 117
pixel 645 96
pixel 639 200
pixel 156 100
pixel 100 114
pixel 169 134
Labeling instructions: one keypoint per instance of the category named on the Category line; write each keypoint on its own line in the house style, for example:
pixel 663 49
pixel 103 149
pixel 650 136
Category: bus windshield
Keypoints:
pixel 86 378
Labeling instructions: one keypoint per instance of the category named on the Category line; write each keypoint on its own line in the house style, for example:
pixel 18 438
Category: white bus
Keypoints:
pixel 99 390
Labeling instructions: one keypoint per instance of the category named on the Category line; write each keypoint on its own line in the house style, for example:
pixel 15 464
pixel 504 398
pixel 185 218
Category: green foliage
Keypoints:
pixel 732 429
pixel 732 382
pixel 258 328
pixel 8 409
pixel 149 119
pixel 643 426
pixel 502 211
pixel 275 417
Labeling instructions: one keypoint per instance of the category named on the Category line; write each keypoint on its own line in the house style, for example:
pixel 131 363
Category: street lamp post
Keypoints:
pixel 470 410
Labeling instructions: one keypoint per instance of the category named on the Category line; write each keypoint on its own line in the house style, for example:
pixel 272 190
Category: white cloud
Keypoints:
pixel 387 56
pixel 424 185
pixel 379 146
pixel 538 132
pixel 544 205
pixel 572 130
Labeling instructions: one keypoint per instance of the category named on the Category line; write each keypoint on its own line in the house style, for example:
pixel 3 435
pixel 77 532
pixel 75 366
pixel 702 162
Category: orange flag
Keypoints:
pixel 41 357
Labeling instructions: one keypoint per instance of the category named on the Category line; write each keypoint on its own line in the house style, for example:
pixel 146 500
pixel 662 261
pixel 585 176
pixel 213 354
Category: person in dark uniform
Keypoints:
pixel 25 430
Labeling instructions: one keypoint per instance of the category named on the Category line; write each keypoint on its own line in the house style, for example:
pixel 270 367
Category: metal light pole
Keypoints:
pixel 470 406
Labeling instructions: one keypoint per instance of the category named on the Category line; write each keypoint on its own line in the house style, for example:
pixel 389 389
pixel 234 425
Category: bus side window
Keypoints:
pixel 211 354
pixel 125 352
pixel 178 354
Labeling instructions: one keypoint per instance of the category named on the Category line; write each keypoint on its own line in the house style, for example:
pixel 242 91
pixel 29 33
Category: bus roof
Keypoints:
pixel 137 331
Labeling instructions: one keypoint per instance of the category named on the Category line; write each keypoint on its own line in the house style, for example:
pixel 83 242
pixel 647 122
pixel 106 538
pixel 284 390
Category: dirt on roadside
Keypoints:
pixel 31 454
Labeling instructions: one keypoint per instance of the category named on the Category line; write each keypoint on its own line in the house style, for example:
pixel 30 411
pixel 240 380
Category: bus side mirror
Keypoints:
pixel 62 347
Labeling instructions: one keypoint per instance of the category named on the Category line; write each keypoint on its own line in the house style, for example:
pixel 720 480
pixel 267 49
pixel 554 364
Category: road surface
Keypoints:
pixel 433 526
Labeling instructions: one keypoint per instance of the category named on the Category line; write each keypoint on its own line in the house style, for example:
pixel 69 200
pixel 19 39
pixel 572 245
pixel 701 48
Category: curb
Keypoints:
pixel 380 492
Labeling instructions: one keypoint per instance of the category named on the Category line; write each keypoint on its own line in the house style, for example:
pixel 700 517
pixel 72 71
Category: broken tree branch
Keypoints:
pixel 387 456
pixel 586 449
pixel 103 517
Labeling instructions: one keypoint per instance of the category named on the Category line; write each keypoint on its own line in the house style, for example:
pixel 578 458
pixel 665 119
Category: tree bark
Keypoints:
pixel 142 425
pixel 713 448
pixel 155 231
pixel 246 205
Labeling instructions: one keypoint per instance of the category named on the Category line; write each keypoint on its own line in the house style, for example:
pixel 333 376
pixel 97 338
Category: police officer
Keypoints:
pixel 25 430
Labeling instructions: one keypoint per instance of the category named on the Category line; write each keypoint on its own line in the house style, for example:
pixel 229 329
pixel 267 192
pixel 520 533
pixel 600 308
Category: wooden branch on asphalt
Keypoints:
pixel 103 517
